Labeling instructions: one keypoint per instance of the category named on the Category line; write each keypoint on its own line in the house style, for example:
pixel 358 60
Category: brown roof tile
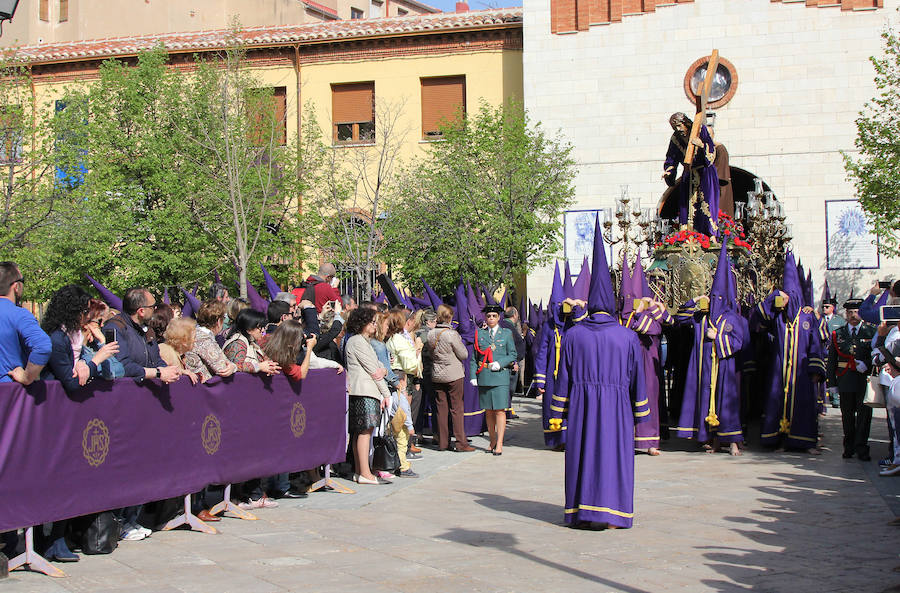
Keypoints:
pixel 268 36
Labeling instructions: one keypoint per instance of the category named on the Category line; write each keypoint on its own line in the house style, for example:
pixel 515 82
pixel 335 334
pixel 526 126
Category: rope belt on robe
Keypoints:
pixel 557 348
pixel 788 370
pixel 711 417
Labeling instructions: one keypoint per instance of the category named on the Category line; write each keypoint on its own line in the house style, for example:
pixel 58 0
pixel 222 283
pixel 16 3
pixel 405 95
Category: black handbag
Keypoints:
pixel 102 534
pixel 385 457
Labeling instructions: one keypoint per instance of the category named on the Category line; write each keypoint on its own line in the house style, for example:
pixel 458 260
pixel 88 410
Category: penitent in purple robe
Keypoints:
pixel 601 374
pixel 791 407
pixel 705 180
pixel 711 406
pixel 648 326
pixel 797 362
pixel 546 361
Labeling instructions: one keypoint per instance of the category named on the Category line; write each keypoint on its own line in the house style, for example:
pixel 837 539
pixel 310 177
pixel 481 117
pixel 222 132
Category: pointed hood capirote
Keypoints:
pixel 432 295
pixel 721 299
pixel 255 299
pixel 582 282
pixel 808 298
pixel 600 295
pixel 166 299
pixel 464 324
pixel 557 295
pixel 827 298
pixel 191 304
pixel 791 287
pixel 106 295
pixel 271 286
pixel 568 287
pixel 639 284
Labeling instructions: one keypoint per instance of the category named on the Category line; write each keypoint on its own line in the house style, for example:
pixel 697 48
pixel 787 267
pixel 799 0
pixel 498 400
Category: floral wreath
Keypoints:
pixel 731 230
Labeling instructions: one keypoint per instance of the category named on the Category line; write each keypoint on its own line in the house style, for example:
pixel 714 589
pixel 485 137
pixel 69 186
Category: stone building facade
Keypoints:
pixel 608 73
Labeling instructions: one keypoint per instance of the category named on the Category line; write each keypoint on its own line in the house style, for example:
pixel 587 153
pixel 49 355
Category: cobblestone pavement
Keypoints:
pixel 767 522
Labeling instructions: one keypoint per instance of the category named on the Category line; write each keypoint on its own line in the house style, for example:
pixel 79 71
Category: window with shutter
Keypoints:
pixel 443 101
pixel 353 113
pixel 63 10
pixel 268 120
pixel 44 10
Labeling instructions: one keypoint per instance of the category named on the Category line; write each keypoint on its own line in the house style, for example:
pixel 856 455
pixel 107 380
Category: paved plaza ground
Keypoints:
pixel 769 522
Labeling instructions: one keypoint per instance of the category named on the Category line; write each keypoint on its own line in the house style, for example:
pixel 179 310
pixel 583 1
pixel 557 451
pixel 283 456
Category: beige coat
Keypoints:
pixel 448 353
pixel 361 363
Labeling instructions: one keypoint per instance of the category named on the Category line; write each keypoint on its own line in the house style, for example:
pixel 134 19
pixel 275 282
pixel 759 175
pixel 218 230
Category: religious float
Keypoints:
pixel 699 210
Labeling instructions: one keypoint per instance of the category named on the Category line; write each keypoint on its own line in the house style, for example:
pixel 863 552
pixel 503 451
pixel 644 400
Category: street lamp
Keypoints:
pixel 7 11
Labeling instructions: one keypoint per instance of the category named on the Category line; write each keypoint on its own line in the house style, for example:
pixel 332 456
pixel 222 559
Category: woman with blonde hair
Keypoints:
pixel 179 335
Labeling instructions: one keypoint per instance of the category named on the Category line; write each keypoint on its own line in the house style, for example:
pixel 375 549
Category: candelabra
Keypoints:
pixel 764 221
pixel 632 224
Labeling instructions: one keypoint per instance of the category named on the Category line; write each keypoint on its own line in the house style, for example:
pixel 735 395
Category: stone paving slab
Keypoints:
pixel 475 522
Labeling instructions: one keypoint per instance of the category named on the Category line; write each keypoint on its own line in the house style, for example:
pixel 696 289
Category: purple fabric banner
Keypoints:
pixel 121 443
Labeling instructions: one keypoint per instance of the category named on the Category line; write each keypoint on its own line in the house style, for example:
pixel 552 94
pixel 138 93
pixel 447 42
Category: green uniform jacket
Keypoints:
pixel 504 353
pixel 850 381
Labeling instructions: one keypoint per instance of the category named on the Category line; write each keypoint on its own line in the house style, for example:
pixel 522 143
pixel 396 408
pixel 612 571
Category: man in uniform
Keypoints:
pixel 833 322
pixel 849 360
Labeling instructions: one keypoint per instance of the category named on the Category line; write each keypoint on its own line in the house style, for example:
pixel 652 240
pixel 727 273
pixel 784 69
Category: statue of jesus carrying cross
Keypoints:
pixel 692 145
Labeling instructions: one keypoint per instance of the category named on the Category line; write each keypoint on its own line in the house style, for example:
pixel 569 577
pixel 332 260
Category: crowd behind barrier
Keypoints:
pixel 122 443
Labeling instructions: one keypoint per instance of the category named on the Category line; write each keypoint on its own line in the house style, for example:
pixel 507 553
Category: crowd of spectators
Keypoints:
pixel 389 356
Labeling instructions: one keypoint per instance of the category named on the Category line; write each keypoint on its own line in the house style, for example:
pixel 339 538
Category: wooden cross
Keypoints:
pixel 702 100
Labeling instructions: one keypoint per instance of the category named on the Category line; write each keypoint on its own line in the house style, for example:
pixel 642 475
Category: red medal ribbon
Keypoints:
pixel 488 355
pixel 851 361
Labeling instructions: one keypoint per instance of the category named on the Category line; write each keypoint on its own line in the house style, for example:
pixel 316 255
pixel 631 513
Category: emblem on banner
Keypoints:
pixel 211 434
pixel 95 442
pixel 806 325
pixel 298 420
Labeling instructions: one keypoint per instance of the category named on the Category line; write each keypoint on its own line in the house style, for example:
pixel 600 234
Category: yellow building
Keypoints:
pixel 351 73
pixel 424 67
pixel 54 21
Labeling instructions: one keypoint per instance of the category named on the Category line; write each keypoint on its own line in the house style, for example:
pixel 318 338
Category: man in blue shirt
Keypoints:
pixel 24 347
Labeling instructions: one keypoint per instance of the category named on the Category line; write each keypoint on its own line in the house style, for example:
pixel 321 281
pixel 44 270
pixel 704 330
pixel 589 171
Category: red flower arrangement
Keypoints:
pixel 731 231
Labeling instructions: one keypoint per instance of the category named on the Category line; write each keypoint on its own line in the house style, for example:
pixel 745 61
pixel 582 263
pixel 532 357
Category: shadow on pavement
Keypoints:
pixel 533 509
pixel 507 542
pixel 818 526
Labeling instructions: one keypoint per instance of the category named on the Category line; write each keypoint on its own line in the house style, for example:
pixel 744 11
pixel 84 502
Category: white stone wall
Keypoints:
pixel 804 74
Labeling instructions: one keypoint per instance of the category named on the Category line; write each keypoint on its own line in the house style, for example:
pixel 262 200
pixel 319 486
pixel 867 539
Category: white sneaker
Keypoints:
pixel 144 530
pixel 132 534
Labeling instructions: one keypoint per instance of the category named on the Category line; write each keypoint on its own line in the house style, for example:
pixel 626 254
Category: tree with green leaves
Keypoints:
pixel 133 224
pixel 486 205
pixel 243 175
pixel 874 170
pixel 175 172
pixel 35 179
pixel 345 213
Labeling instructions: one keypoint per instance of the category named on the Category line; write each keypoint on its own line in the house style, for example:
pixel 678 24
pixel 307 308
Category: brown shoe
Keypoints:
pixel 414 449
pixel 464 448
pixel 207 517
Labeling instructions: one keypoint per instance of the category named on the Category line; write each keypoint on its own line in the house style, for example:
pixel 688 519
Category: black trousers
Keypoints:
pixel 857 420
